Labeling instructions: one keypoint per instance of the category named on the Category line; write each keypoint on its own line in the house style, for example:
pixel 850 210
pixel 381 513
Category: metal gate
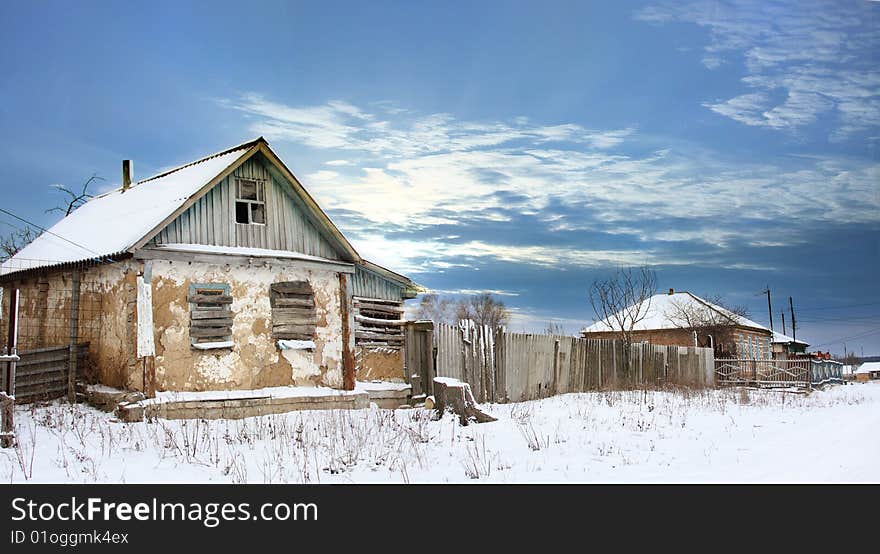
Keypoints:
pixel 762 372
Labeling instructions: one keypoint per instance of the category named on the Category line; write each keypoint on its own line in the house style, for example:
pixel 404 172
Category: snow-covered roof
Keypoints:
pixel 662 309
pixel 779 338
pixel 114 222
pixel 868 367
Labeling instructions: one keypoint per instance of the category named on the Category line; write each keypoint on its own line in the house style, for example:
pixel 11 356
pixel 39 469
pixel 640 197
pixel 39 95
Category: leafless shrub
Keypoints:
pixel 535 440
pixel 478 463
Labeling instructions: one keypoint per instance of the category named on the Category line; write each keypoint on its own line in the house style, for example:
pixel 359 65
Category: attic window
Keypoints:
pixel 293 310
pixel 250 202
pixel 210 312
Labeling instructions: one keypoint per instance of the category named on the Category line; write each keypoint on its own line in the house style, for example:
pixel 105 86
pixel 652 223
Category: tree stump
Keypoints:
pixel 457 396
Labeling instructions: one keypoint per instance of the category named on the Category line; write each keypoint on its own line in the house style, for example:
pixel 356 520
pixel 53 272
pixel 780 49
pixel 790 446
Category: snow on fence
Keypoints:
pixel 513 367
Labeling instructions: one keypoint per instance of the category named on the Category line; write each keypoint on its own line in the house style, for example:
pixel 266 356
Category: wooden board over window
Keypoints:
pixel 293 310
pixel 210 312
pixel 378 323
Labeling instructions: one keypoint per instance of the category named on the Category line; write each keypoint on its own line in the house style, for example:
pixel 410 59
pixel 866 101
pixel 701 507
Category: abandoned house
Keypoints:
pixel 684 319
pixel 220 274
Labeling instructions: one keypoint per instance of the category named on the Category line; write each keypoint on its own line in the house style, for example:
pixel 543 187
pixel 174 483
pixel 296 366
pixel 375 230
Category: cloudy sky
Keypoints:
pixel 524 148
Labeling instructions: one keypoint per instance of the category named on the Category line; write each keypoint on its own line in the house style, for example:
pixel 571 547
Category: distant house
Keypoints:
pixel 785 347
pixel 220 274
pixel 868 371
pixel 684 319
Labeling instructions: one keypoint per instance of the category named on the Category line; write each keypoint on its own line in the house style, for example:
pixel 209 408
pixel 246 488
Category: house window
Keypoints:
pixel 210 316
pixel 250 202
pixel 293 310
pixel 378 323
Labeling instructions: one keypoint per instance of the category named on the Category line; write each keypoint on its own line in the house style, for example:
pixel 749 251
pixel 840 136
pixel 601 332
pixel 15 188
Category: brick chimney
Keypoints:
pixel 126 175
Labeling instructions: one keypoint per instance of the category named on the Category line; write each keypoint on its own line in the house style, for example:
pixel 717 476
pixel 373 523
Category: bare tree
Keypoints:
pixel 708 317
pixel 623 300
pixel 483 309
pixel 15 241
pixel 554 328
pixel 436 308
pixel 705 314
pixel 74 200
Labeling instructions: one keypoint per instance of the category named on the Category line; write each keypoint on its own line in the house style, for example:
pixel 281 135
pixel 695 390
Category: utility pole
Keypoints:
pixel 793 320
pixel 769 307
pixel 783 321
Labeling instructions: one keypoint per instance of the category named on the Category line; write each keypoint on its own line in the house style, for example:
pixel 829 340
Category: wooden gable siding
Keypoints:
pixel 367 284
pixel 211 220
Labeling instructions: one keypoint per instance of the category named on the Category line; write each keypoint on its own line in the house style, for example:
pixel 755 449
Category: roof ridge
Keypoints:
pixel 241 146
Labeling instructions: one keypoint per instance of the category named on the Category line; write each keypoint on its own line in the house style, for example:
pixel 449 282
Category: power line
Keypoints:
pixel 43 229
pixel 851 337
pixel 810 309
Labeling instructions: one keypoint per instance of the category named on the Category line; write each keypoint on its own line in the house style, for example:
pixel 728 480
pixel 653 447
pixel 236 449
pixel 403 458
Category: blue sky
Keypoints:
pixel 518 147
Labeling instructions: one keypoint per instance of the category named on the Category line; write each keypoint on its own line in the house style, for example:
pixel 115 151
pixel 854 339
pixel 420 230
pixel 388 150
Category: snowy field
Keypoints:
pixel 731 435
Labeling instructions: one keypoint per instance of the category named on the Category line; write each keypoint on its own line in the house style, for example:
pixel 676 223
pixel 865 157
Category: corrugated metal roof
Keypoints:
pixel 113 222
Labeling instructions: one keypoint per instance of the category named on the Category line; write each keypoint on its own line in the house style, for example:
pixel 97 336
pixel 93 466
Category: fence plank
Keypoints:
pixel 513 367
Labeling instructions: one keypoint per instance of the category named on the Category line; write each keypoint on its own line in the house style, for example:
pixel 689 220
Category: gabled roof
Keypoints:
pixel 868 367
pixel 779 338
pixel 120 222
pixel 662 309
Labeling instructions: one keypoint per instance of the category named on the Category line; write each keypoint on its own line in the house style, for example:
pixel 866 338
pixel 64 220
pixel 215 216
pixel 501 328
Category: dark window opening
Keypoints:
pixel 241 212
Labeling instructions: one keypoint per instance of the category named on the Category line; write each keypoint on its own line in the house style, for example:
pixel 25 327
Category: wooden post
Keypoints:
pixel 555 389
pixel 73 351
pixel 429 355
pixel 349 370
pixel 12 351
pixel 500 376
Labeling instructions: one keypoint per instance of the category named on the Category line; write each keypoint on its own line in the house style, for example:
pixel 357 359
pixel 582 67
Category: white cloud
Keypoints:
pixel 803 60
pixel 563 177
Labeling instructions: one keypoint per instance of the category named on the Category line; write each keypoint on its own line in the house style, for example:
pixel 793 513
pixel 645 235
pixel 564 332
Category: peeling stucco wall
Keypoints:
pixel 113 354
pixel 255 360
pixel 106 318
pixel 376 363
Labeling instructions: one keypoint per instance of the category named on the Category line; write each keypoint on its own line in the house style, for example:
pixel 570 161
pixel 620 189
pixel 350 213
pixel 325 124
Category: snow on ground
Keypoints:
pixel 732 435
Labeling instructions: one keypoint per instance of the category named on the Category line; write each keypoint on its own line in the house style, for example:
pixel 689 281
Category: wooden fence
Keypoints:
pixel 42 374
pixel 512 367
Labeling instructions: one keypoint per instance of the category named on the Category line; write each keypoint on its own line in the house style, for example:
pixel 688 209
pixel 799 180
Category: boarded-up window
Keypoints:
pixel 293 310
pixel 378 323
pixel 210 311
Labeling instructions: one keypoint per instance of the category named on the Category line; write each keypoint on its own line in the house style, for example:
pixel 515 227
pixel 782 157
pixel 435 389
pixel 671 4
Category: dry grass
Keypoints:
pixel 84 445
